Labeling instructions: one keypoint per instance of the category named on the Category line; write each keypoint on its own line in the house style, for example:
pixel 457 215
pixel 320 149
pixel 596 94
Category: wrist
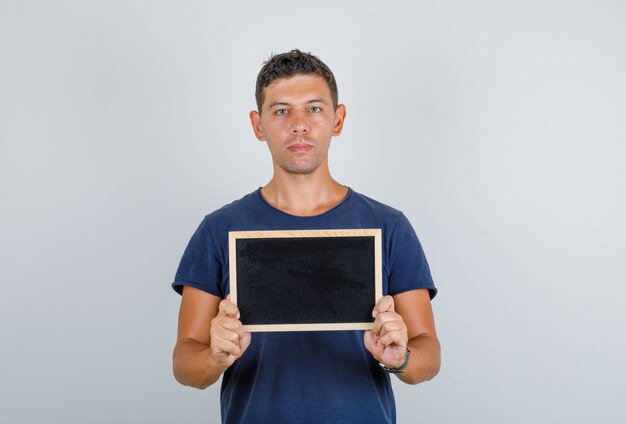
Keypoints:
pixel 401 368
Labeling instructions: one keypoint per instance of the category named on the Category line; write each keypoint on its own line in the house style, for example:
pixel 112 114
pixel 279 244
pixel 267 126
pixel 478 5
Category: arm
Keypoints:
pixel 406 320
pixel 210 338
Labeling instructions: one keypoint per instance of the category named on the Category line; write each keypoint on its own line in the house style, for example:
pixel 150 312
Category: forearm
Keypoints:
pixel 424 361
pixel 194 365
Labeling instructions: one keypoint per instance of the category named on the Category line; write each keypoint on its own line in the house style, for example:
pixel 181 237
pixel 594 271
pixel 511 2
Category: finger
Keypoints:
pixel 397 337
pixel 229 309
pixel 372 343
pixel 384 305
pixel 224 346
pixel 369 337
pixel 223 321
pixel 384 317
pixel 244 341
pixel 222 333
pixel 389 326
pixel 242 333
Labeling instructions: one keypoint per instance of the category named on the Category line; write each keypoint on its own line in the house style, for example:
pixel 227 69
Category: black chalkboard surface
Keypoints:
pixel 305 280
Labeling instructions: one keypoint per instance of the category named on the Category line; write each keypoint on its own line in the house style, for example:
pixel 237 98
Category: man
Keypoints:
pixel 302 377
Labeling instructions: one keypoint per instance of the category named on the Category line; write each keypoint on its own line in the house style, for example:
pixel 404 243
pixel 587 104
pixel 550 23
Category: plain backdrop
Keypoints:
pixel 498 127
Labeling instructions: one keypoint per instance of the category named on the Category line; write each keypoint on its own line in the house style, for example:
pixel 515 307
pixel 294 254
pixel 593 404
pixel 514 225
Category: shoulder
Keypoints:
pixel 232 211
pixel 376 208
pixel 393 221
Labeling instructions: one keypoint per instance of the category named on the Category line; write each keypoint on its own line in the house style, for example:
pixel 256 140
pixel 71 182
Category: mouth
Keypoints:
pixel 300 147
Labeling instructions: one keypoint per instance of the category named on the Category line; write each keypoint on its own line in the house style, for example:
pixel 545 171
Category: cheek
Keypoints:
pixel 270 130
pixel 278 125
pixel 327 122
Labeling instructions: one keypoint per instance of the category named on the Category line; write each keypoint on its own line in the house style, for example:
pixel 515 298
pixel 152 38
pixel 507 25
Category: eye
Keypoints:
pixel 281 112
pixel 315 109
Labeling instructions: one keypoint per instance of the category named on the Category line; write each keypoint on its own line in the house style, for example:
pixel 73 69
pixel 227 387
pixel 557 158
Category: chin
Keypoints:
pixel 300 168
pixel 300 171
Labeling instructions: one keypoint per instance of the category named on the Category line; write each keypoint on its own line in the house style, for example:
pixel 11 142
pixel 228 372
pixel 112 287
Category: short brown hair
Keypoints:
pixel 295 62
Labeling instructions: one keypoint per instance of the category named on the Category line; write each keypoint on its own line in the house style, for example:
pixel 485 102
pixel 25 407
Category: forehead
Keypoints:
pixel 296 89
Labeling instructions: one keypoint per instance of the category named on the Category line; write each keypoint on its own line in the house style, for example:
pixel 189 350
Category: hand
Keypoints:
pixel 387 341
pixel 228 340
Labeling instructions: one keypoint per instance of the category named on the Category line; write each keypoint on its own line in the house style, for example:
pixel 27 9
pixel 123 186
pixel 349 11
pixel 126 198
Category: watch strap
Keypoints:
pixel 401 368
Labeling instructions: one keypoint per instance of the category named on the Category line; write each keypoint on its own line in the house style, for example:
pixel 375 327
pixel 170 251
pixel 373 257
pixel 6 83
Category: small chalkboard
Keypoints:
pixel 309 280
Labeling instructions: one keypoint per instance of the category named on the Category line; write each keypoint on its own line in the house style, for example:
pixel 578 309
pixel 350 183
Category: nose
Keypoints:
pixel 299 123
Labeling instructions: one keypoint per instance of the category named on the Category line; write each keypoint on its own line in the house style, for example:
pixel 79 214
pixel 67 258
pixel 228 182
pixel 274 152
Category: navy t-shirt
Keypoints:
pixel 305 377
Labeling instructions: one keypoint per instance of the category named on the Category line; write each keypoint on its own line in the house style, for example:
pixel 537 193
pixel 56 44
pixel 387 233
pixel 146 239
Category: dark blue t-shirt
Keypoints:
pixel 305 377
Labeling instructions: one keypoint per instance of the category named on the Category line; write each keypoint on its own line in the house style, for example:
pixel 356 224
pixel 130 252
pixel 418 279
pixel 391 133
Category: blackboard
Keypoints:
pixel 309 280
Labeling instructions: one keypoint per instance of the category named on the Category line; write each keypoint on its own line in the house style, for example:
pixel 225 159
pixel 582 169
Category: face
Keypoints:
pixel 297 121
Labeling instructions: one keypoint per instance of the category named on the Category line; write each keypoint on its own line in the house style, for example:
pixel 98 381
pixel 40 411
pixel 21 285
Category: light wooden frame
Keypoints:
pixel 378 272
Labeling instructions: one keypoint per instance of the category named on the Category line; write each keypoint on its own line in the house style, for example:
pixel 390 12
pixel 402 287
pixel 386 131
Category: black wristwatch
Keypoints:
pixel 402 367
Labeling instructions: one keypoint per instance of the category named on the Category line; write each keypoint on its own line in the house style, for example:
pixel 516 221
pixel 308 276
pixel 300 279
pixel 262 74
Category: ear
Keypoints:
pixel 340 115
pixel 255 119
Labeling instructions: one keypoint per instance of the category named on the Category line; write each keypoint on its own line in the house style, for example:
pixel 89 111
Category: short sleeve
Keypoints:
pixel 200 266
pixel 408 268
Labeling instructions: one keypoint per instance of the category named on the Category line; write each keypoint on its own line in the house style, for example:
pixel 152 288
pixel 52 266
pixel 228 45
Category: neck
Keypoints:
pixel 304 194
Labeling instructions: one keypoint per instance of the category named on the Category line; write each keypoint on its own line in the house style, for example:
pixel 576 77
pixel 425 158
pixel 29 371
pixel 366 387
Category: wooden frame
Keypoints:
pixel 233 236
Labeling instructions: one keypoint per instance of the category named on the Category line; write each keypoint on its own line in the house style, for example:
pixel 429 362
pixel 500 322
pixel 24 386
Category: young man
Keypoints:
pixel 301 377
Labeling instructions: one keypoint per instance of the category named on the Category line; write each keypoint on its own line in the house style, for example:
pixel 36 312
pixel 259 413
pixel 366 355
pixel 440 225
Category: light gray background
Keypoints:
pixel 497 127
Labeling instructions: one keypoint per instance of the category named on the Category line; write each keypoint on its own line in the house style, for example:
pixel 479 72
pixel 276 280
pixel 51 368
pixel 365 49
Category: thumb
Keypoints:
pixel 386 304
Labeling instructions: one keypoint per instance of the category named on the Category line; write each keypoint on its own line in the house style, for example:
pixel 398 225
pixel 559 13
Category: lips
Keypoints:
pixel 300 147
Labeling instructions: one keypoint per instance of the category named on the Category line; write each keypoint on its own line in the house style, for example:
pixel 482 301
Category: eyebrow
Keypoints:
pixel 274 104
pixel 277 104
